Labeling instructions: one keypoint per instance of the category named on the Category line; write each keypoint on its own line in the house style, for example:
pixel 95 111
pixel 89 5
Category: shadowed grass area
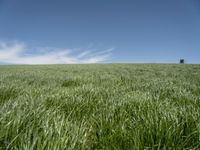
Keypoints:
pixel 117 106
pixel 7 93
pixel 70 82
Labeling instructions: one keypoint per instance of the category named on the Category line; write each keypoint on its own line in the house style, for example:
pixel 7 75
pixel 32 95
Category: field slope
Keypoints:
pixel 111 106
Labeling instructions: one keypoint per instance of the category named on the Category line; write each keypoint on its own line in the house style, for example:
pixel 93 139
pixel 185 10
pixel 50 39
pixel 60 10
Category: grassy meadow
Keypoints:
pixel 99 106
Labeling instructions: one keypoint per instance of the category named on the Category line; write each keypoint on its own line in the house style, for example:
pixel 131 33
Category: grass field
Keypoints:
pixel 115 106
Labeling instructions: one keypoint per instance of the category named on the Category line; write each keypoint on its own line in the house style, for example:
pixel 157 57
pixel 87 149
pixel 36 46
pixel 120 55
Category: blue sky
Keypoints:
pixel 93 31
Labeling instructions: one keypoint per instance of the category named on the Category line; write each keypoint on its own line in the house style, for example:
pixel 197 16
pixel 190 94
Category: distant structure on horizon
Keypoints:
pixel 182 61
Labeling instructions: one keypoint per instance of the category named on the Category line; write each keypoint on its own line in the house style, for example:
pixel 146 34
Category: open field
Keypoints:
pixel 115 106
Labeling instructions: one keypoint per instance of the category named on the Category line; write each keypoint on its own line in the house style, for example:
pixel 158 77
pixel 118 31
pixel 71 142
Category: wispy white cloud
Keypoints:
pixel 18 53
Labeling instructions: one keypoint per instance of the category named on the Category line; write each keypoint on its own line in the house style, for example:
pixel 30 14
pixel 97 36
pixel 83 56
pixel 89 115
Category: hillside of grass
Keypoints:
pixel 107 106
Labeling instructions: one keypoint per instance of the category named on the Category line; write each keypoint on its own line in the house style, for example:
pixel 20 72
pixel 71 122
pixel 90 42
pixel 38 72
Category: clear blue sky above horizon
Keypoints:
pixel 144 31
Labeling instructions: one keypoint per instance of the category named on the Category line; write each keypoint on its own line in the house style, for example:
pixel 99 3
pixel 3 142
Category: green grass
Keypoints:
pixel 116 106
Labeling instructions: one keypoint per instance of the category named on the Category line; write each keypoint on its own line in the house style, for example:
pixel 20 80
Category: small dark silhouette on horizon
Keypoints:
pixel 182 61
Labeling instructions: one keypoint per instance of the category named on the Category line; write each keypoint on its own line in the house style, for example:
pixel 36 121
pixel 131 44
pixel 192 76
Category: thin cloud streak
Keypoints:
pixel 17 53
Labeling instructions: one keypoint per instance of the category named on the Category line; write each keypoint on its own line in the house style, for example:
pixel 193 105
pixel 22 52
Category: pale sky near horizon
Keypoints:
pixel 95 31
